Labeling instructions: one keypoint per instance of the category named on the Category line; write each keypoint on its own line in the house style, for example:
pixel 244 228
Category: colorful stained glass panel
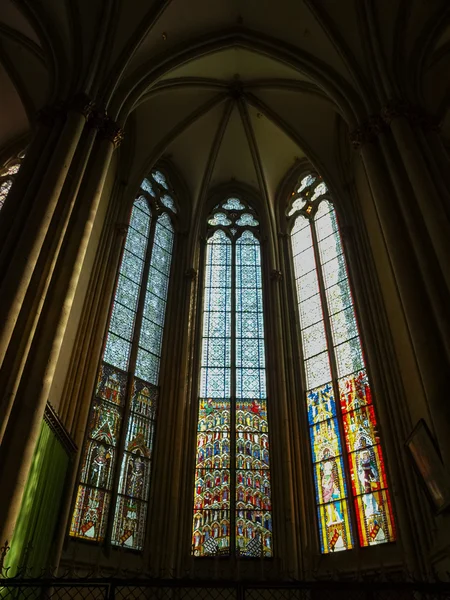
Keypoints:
pixel 321 404
pixel 367 470
pixel 375 518
pixel 354 391
pixel 335 527
pixel 329 478
pixel 325 440
pixel 211 522
pixel 129 523
pixel 104 429
pixel 211 532
pixel 90 514
pixel 254 533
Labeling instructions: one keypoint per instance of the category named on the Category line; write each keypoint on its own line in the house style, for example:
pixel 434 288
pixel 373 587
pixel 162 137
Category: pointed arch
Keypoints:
pixel 115 473
pixel 232 503
pixel 350 480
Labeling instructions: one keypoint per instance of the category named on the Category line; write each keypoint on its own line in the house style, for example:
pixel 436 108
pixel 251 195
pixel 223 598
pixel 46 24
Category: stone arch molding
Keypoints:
pixel 346 100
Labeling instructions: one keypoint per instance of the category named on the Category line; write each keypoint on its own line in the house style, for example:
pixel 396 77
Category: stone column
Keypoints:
pixel 79 390
pixel 400 116
pixel 285 470
pixel 441 159
pixel 19 201
pixel 29 244
pixel 425 336
pixel 26 417
pixel 428 272
pixel 21 339
pixel 300 557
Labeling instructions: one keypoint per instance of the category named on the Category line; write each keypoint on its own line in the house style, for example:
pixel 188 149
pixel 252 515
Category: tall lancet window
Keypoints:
pixel 352 496
pixel 232 506
pixel 112 496
pixel 8 173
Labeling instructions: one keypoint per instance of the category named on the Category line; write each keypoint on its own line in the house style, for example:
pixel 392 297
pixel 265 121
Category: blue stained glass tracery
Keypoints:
pixel 148 245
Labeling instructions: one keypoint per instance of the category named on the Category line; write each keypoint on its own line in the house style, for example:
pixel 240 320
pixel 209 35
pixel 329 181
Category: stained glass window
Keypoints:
pixel 7 174
pixel 115 475
pixel 232 500
pixel 352 496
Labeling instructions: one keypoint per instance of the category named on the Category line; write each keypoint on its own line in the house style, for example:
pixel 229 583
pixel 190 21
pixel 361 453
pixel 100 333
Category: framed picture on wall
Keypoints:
pixel 426 458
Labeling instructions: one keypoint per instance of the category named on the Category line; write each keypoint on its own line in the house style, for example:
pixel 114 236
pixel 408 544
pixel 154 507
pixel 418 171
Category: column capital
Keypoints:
pixel 191 274
pixel 112 131
pixel 276 275
pixel 367 131
pixel 81 103
pixel 374 125
pixel 415 115
pixel 49 114
pixel 121 229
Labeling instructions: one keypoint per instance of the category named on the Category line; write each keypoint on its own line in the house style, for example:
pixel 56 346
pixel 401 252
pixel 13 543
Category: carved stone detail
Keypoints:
pixel 416 115
pixel 110 130
pixel 97 119
pixel 82 104
pixel 276 275
pixel 121 228
pixel 368 131
pixel 371 128
pixel 191 274
pixel 396 109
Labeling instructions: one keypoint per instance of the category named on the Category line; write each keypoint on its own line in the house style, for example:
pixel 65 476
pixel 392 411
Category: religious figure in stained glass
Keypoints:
pixel 116 460
pixel 232 247
pixel 358 458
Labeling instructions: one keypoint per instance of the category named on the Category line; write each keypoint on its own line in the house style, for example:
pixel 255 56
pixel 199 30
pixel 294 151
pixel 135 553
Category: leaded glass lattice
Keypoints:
pixel 232 505
pixel 117 455
pixel 349 473
pixel 7 175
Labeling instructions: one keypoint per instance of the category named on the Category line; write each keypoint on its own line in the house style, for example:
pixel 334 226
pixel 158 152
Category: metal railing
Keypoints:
pixel 139 589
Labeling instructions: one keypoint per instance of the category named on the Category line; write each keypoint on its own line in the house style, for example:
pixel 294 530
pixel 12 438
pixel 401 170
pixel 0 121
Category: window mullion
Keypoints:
pixel 233 403
pixel 334 375
pixel 131 370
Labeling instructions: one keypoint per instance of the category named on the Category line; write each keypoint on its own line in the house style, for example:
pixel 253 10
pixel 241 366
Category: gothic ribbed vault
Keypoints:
pixel 230 91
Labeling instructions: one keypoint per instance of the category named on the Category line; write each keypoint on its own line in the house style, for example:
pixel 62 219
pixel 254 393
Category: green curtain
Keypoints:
pixel 33 535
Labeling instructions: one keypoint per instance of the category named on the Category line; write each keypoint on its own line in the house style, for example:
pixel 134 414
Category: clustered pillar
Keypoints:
pixel 407 170
pixel 47 226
